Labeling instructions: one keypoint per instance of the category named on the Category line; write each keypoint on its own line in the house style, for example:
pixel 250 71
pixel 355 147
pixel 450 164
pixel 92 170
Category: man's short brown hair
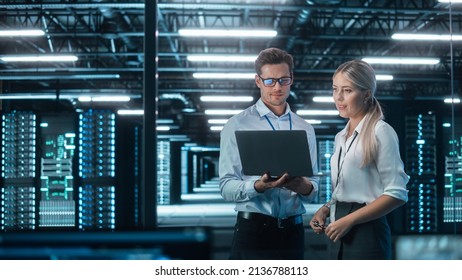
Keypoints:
pixel 273 56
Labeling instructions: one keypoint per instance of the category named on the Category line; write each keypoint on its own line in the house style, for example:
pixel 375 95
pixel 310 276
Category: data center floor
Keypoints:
pixel 206 208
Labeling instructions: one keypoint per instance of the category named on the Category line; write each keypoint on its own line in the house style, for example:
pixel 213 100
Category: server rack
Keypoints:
pixel 325 152
pixel 58 170
pixel 421 166
pixel 19 165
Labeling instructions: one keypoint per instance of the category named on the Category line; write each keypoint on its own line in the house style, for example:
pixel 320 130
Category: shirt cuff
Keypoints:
pixel 250 189
pixel 398 193
pixel 313 193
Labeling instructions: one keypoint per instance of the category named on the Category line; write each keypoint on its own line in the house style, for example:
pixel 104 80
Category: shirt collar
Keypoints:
pixel 357 129
pixel 263 110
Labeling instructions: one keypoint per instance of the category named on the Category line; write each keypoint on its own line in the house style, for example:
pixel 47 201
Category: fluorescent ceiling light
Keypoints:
pixel 217 121
pixel 39 58
pixel 450 1
pixel 174 137
pixel 19 96
pixel 227 33
pixel 222 112
pixel 317 112
pixel 217 98
pixel 425 37
pixel 81 98
pixel 203 148
pixel 323 99
pixel 314 121
pixel 23 32
pixel 59 76
pixel 450 100
pixel 110 98
pixel 223 58
pixel 403 60
pixel 113 98
pixel 252 76
pixel 163 128
pixel 188 110
pixel 224 75
pixel 85 99
pixel 384 77
pixel 90 76
pixel 216 128
pixel 164 121
pixel 130 112
pixel 446 124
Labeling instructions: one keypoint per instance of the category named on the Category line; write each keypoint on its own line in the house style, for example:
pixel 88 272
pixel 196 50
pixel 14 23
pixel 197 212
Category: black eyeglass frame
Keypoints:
pixel 274 81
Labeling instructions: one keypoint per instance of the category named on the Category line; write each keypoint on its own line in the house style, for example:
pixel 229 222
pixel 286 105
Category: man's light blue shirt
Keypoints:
pixel 238 188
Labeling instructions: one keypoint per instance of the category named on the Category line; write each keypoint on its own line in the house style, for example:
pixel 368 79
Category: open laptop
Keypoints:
pixel 274 152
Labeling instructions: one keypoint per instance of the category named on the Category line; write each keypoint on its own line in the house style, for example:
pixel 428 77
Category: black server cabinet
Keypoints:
pixel 58 171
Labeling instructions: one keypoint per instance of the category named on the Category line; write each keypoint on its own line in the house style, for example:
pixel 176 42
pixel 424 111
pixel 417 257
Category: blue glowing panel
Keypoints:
pixel 421 167
pixel 57 203
pixel 97 170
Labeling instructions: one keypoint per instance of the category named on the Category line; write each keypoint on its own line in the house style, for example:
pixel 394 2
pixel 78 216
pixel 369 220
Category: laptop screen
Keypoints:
pixel 275 152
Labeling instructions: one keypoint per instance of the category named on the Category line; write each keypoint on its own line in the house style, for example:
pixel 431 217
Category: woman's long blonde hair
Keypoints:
pixel 362 75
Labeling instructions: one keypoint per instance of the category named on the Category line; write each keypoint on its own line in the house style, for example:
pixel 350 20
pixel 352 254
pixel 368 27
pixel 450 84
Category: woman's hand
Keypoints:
pixel 339 228
pixel 318 222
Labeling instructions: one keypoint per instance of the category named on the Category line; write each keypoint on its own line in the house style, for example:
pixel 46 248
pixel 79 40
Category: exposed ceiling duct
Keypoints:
pixel 114 24
pixel 302 19
pixel 107 37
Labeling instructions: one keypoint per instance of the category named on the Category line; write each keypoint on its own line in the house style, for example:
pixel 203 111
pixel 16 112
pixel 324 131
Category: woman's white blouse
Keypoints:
pixel 384 176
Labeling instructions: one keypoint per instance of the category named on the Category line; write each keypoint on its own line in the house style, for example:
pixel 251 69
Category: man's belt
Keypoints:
pixel 271 221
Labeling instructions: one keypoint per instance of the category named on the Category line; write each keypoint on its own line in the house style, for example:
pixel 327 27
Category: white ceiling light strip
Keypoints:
pixel 217 121
pixel 22 33
pixel 384 77
pixel 317 112
pixel 450 1
pixel 221 58
pixel 323 99
pixel 221 98
pixel 222 112
pixel 425 37
pixel 452 100
pixel 125 112
pixel 39 58
pixel 402 61
pixel 224 75
pixel 104 98
pixel 227 33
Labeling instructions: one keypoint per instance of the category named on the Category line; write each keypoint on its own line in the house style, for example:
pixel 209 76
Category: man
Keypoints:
pixel 269 221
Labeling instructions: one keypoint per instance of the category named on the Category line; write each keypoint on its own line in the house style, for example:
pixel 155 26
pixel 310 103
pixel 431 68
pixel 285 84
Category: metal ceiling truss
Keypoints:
pixel 107 37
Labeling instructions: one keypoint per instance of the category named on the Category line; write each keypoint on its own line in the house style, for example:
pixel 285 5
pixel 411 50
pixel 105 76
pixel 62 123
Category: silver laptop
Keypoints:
pixel 274 152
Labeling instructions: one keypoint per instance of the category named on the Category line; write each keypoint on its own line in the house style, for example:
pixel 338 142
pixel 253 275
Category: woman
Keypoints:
pixel 368 178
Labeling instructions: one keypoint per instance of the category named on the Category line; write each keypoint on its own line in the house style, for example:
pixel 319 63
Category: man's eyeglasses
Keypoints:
pixel 271 82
